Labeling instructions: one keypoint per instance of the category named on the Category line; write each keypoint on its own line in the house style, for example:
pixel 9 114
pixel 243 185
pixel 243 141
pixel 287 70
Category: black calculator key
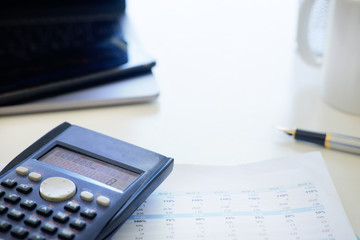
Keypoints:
pixel 3 209
pixel 66 235
pixel 32 221
pixel 19 232
pixel 16 215
pixel 9 183
pixel 44 211
pixel 49 228
pixel 28 204
pixel 36 237
pixel 24 188
pixel 12 198
pixel 78 224
pixel 2 192
pixel 88 213
pixel 72 207
pixel 61 217
pixel 4 226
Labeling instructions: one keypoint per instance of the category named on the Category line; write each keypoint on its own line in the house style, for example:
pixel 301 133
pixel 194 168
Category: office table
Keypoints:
pixel 229 73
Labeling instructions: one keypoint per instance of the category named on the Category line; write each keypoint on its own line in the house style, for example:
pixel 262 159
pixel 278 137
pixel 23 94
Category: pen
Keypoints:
pixel 329 140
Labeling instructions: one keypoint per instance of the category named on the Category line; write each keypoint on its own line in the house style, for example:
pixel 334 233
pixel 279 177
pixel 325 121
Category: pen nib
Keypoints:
pixel 286 130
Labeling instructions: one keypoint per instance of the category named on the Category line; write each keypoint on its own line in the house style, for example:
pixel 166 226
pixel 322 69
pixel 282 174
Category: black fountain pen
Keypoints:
pixel 329 140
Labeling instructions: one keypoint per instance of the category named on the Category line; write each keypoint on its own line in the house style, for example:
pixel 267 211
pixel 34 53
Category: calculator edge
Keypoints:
pixel 137 199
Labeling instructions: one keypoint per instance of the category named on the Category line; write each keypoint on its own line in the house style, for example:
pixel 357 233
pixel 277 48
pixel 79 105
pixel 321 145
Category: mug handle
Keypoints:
pixel 302 33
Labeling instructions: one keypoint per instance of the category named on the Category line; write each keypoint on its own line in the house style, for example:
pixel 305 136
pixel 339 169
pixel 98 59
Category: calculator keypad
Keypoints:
pixel 44 213
pixel 19 214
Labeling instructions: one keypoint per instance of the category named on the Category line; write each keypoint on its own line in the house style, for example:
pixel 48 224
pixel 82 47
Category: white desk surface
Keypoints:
pixel 228 73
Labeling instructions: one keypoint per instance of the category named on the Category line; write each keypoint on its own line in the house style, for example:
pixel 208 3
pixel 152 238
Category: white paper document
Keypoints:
pixel 291 199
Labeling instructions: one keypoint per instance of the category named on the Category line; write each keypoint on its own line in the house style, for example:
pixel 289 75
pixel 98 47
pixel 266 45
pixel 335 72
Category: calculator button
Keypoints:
pixel 24 188
pixel 56 189
pixel 19 232
pixel 9 183
pixel 49 228
pixel 44 211
pixel 87 196
pixel 61 217
pixel 16 215
pixel 32 221
pixel 36 237
pixel 103 201
pixel 23 171
pixel 66 235
pixel 4 226
pixel 78 224
pixel 12 198
pixel 72 207
pixel 28 204
pixel 2 192
pixel 88 213
pixel 34 176
pixel 3 209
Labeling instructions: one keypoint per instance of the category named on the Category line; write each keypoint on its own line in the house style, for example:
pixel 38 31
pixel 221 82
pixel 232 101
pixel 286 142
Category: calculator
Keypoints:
pixel 75 184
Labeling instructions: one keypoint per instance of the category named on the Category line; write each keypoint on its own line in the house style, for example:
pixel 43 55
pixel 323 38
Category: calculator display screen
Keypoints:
pixel 95 169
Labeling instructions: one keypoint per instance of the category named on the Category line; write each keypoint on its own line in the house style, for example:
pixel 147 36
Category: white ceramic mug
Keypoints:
pixel 340 62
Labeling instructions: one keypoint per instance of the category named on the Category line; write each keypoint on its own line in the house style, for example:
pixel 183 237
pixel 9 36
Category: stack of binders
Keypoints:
pixel 51 48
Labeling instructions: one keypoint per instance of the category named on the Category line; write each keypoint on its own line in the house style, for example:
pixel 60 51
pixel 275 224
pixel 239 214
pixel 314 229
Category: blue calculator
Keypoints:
pixel 76 184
